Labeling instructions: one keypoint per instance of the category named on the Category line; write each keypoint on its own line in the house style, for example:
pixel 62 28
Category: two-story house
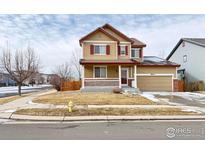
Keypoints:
pixel 112 59
pixel 189 53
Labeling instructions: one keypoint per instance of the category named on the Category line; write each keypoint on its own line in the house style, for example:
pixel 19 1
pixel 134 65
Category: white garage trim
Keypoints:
pixel 149 74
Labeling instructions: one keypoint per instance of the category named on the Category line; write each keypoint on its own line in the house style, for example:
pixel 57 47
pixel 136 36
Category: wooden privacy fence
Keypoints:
pixel 70 85
pixel 179 85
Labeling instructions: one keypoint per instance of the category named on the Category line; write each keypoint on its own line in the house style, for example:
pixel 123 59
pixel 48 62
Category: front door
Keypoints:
pixel 124 76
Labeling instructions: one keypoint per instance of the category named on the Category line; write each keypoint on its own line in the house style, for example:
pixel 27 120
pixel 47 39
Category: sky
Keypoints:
pixel 55 37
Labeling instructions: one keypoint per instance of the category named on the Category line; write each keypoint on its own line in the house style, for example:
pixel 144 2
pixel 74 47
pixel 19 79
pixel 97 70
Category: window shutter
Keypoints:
pixel 118 50
pixel 126 49
pixel 91 49
pixel 140 53
pixel 107 50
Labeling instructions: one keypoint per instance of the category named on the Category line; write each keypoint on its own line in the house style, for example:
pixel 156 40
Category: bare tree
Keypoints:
pixel 55 81
pixel 64 71
pixel 20 66
pixel 75 59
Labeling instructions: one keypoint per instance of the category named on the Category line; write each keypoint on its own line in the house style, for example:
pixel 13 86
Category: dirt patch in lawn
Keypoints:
pixel 104 112
pixel 93 98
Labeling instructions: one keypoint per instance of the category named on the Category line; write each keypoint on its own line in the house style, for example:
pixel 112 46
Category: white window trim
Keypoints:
pixel 149 74
pixel 94 71
pixel 126 42
pixel 100 53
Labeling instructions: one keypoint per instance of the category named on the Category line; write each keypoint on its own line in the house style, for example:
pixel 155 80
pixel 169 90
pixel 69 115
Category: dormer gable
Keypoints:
pixel 99 34
pixel 116 33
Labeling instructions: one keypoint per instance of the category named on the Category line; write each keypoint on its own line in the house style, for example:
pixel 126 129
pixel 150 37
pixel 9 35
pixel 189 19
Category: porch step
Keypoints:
pixel 131 90
pixel 97 89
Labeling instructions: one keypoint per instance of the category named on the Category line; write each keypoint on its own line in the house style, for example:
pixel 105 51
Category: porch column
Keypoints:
pixel 119 69
pixel 135 75
pixel 82 77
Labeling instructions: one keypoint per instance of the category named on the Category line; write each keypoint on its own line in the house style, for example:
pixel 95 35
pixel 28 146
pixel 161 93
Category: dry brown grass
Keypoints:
pixel 10 98
pixel 104 111
pixel 93 98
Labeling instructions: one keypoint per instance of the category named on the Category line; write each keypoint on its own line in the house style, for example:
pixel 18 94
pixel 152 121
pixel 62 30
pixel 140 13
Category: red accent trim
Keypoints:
pixel 90 62
pixel 107 50
pixel 141 54
pixel 131 62
pixel 92 49
pixel 126 49
pixel 118 50
pixel 147 65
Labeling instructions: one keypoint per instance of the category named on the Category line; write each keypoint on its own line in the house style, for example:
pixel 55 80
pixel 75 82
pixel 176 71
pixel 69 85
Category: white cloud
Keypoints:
pixel 54 37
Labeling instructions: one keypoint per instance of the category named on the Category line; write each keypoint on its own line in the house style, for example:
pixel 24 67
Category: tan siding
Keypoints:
pixel 157 70
pixel 99 36
pixel 115 35
pixel 126 56
pixel 88 56
pixel 154 83
pixel 88 71
pixel 131 72
pixel 112 72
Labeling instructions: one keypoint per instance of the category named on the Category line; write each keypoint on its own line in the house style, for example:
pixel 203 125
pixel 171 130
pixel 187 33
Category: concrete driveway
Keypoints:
pixel 192 101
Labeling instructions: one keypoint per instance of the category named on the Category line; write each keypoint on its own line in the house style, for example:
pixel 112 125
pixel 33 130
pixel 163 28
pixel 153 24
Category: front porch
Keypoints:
pixel 109 76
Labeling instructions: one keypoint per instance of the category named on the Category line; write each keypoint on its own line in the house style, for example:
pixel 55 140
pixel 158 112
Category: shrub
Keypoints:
pixel 117 90
pixel 196 86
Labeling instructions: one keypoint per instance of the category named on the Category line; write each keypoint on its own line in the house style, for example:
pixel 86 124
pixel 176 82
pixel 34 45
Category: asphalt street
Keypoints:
pixel 122 130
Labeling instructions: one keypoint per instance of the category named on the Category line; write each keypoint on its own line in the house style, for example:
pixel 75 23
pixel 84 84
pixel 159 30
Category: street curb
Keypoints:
pixel 103 118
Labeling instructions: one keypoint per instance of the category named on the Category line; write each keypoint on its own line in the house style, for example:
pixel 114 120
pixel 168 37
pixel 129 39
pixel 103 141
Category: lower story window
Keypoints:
pixel 100 72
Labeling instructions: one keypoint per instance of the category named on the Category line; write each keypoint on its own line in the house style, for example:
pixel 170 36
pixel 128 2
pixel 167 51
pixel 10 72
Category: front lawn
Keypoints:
pixel 93 98
pixel 10 99
pixel 105 112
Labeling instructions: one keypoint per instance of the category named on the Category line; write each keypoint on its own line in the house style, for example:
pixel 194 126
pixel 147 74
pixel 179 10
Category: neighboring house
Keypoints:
pixel 190 53
pixel 5 80
pixel 40 78
pixel 112 59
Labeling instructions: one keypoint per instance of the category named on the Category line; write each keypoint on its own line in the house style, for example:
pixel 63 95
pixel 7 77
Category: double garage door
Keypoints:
pixel 155 83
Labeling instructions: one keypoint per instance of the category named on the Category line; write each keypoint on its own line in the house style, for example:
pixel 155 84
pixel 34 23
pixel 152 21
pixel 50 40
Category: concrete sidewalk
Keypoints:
pixel 6 110
pixel 103 118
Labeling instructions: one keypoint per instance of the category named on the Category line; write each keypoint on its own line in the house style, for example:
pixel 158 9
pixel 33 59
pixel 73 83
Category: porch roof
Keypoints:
pixel 147 61
pixel 126 61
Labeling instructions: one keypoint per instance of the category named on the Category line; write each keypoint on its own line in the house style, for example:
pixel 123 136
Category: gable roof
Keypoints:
pixel 97 30
pixel 117 32
pixel 196 41
pixel 137 43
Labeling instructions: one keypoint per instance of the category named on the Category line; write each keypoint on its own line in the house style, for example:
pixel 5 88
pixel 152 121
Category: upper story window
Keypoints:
pixel 100 49
pixel 185 58
pixel 122 50
pixel 135 53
